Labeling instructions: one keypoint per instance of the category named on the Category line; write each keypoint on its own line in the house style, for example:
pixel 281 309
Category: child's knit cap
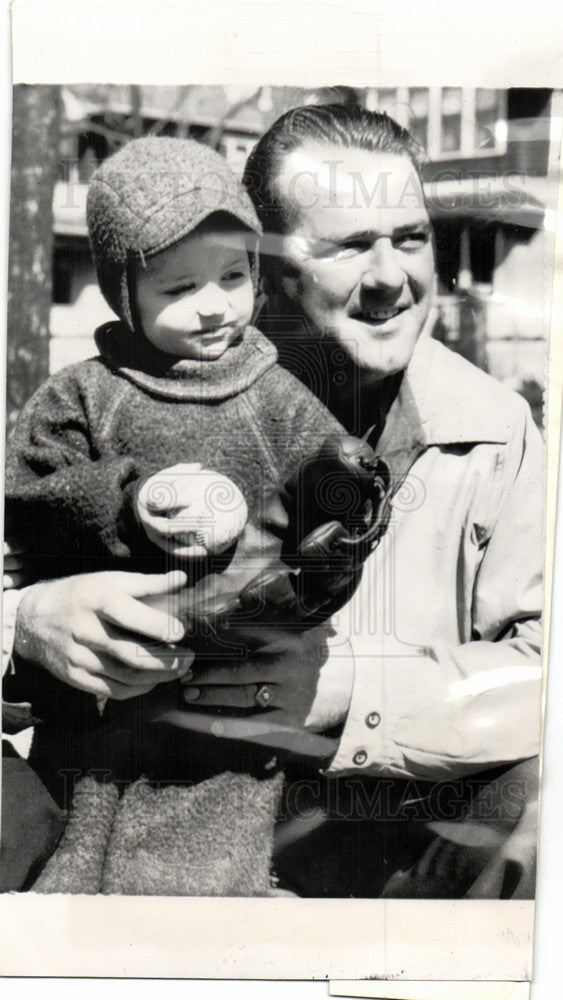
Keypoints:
pixel 147 196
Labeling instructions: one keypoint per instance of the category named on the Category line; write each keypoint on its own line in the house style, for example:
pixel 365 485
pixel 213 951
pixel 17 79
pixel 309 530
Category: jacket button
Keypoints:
pixel 360 757
pixel 373 720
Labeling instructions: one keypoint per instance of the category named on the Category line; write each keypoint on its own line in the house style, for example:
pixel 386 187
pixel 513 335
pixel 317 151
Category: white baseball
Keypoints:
pixel 192 512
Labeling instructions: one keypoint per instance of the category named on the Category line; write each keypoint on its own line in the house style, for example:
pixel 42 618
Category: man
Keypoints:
pixel 434 671
pixel 431 673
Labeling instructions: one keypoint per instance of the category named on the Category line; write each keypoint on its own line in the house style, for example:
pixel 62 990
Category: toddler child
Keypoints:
pixel 183 383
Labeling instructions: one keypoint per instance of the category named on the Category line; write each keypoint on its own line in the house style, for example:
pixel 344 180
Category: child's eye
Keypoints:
pixel 236 275
pixel 188 286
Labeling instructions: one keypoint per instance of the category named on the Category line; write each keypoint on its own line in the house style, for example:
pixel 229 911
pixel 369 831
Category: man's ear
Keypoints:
pixel 284 281
pixel 280 281
pixel 290 284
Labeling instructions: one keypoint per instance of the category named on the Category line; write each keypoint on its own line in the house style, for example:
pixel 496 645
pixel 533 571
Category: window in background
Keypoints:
pixel 419 107
pixel 488 114
pixel 450 124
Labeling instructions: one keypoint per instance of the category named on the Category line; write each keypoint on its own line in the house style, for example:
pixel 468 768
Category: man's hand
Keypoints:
pixel 93 632
pixel 14 573
pixel 300 678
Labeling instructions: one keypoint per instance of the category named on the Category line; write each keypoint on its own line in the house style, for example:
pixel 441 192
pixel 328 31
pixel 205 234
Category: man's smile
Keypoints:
pixel 377 314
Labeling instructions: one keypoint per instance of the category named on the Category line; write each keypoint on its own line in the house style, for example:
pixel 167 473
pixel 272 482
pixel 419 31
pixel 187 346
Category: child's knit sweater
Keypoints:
pixel 81 444
pixel 95 428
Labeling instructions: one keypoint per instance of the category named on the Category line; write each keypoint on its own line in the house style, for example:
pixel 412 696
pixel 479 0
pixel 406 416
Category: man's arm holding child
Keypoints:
pixel 64 498
pixel 94 633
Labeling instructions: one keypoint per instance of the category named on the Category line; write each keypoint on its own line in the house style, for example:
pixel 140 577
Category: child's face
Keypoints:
pixel 194 298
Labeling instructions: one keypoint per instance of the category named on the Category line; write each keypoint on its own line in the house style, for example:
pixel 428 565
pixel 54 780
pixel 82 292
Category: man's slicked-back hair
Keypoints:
pixel 335 124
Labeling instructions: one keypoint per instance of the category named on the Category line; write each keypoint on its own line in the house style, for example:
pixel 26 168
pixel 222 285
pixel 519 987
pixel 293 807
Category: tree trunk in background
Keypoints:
pixel 136 95
pixel 34 162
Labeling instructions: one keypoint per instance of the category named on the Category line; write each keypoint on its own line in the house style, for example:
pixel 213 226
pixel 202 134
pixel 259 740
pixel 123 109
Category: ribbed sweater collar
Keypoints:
pixel 191 381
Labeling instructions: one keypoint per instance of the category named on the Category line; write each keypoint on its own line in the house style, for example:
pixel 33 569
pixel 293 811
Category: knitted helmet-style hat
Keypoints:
pixel 147 196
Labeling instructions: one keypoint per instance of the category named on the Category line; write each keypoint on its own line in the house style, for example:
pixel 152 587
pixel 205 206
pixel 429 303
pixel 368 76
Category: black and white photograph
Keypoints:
pixel 275 501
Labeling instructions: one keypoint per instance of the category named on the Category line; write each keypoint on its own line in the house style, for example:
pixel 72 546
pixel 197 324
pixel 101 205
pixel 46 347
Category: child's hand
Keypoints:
pixel 191 512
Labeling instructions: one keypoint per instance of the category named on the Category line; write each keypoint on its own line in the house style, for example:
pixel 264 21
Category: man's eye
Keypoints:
pixel 414 240
pixel 236 275
pixel 351 249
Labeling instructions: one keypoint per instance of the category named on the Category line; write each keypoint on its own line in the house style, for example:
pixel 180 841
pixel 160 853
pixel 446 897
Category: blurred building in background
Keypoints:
pixel 487 182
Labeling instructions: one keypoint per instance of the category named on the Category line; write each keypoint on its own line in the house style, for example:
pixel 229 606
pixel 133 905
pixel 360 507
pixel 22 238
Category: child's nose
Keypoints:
pixel 212 301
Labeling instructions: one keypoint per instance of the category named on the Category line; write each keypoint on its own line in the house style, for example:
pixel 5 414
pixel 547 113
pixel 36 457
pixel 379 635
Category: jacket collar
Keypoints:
pixel 452 401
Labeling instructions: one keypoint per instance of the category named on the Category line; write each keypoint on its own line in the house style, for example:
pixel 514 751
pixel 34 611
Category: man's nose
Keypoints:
pixel 384 270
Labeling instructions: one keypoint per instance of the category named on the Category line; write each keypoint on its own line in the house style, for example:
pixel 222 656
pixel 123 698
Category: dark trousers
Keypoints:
pixel 367 838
